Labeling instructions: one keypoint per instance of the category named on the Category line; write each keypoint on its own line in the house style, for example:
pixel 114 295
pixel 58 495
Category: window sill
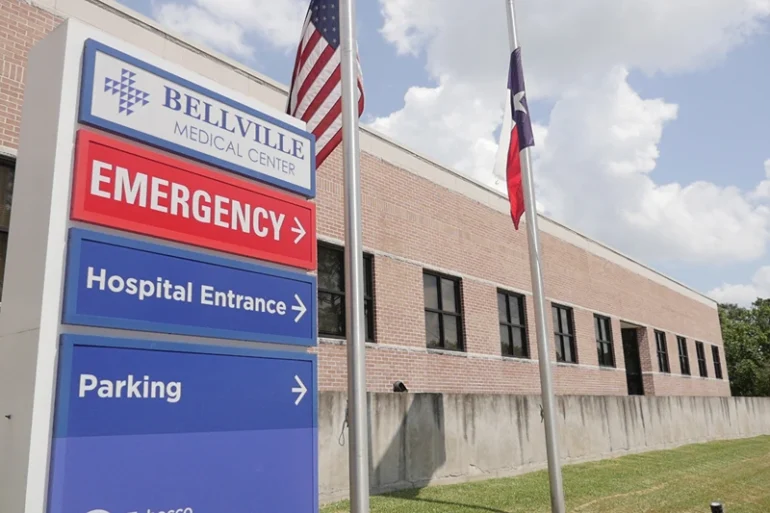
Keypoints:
pixel 521 359
pixel 340 341
pixel 681 376
pixel 448 352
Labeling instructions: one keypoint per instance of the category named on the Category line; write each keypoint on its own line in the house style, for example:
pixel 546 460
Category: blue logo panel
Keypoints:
pixel 116 282
pixel 129 96
pixel 216 429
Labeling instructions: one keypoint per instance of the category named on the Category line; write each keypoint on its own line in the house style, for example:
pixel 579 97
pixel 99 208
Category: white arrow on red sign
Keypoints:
pixel 299 230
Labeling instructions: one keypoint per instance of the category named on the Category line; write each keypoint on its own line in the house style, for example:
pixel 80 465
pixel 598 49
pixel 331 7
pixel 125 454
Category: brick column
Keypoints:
pixel 646 356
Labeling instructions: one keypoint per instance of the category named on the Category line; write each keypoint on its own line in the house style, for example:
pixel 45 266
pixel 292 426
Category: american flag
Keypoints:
pixel 315 95
pixel 520 136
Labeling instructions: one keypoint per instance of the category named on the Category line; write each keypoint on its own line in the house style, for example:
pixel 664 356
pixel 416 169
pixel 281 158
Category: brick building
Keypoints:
pixel 448 298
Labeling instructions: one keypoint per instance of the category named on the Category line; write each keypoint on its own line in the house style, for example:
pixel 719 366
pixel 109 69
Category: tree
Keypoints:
pixel 746 335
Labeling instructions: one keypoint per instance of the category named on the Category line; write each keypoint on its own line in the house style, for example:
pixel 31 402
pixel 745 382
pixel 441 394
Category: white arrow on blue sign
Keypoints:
pixel 116 282
pixel 301 390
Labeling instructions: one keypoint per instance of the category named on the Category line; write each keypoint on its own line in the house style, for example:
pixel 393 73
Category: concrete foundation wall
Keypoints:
pixel 420 439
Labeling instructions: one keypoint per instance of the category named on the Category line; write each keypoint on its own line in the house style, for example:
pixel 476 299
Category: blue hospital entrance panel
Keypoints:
pixel 149 427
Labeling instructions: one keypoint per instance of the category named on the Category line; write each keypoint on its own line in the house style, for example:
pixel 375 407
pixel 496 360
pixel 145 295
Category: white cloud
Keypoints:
pixel 595 170
pixel 744 295
pixel 762 192
pixel 459 136
pixel 201 26
pixel 234 26
pixel 565 40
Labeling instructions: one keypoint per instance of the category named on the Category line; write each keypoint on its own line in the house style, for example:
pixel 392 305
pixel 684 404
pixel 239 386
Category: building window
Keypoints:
pixel 513 324
pixel 7 171
pixel 331 292
pixel 717 362
pixel 564 331
pixel 603 327
pixel 443 316
pixel 701 354
pixel 660 342
pixel 684 358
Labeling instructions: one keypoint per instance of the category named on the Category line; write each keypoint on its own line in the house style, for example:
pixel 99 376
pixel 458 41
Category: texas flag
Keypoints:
pixel 515 135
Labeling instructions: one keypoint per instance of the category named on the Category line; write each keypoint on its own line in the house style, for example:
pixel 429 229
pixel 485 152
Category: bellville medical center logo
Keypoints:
pixel 130 96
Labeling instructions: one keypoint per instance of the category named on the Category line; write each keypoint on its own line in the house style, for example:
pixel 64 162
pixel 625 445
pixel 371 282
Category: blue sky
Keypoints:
pixel 719 133
pixel 384 88
pixel 722 131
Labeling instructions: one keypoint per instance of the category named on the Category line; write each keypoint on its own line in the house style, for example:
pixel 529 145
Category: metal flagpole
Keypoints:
pixel 354 270
pixel 535 264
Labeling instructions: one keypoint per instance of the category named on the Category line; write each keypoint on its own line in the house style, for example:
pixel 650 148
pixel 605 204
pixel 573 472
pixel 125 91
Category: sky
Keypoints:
pixel 650 118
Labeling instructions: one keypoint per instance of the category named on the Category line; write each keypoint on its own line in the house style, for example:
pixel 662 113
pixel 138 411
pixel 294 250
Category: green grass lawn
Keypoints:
pixel 686 479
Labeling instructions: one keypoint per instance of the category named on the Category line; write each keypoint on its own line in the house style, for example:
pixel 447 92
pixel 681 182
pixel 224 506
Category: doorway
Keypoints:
pixel 633 362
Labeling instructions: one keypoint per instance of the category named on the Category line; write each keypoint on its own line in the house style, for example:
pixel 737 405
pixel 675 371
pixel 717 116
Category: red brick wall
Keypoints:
pixel 412 223
pixel 21 26
pixel 673 384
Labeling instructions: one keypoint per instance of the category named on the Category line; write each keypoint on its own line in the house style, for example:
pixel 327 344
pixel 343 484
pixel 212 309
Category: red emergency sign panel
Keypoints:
pixel 122 186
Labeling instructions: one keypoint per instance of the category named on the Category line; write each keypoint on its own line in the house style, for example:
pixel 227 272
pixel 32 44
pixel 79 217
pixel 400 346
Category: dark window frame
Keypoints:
pixel 561 336
pixel 9 163
pixel 601 342
pixel 369 317
pixel 442 313
pixel 684 356
pixel 510 325
pixel 664 366
pixel 717 361
pixel 700 351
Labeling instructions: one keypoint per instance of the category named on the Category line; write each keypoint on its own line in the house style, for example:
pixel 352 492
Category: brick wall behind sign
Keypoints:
pixel 21 26
pixel 411 223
